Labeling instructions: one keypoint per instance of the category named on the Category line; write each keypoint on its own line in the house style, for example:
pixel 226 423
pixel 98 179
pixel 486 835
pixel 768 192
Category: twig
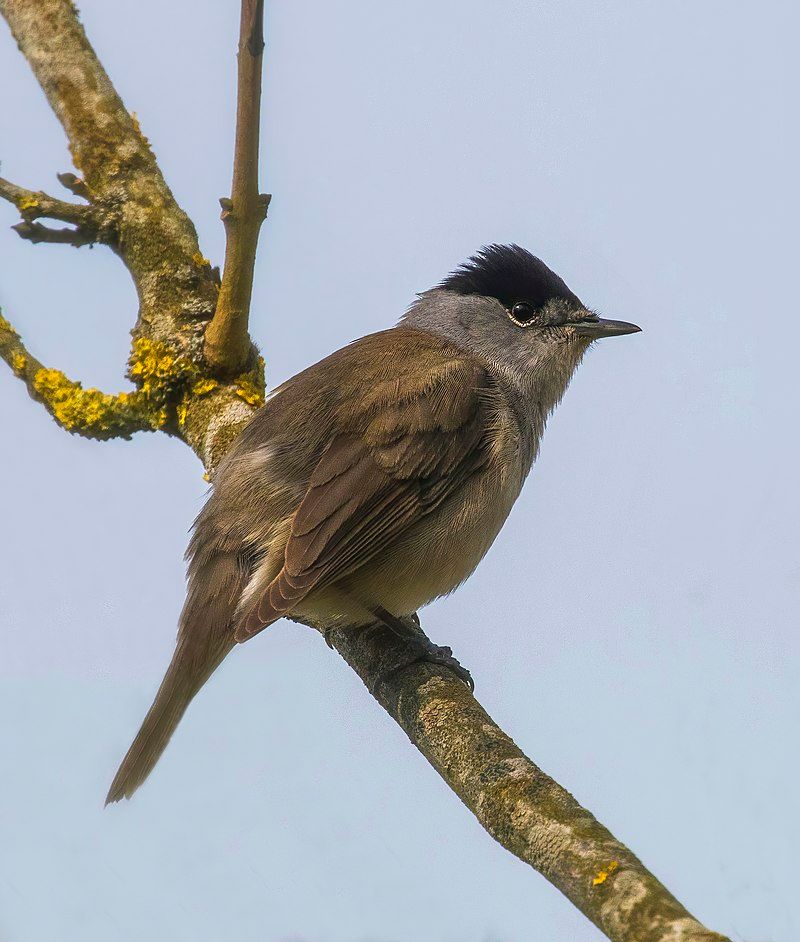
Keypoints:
pixel 35 232
pixel 227 342
pixel 74 184
pixel 90 224
pixel 33 204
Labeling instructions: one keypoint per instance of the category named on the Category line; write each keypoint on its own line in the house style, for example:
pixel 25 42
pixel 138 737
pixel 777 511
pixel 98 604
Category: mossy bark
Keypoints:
pixel 130 201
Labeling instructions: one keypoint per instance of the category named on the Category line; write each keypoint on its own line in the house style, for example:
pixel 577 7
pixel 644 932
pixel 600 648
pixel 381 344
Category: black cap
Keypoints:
pixel 508 273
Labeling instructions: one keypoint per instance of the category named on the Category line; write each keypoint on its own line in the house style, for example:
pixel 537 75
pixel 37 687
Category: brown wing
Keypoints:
pixel 397 460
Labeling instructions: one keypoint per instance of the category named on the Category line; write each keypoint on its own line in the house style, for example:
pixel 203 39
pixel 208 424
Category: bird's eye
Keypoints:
pixel 522 313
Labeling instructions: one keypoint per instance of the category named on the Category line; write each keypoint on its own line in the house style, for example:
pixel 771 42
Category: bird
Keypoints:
pixel 376 480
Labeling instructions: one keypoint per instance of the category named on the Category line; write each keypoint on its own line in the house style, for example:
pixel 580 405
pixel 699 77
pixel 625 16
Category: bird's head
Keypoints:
pixel 506 303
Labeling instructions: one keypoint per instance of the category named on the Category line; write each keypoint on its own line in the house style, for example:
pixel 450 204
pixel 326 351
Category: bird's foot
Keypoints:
pixel 423 649
pixel 443 654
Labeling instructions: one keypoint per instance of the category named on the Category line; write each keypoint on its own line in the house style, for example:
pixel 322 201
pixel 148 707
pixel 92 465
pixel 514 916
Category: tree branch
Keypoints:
pixel 90 225
pixel 176 286
pixel 157 241
pixel 87 412
pixel 228 344
pixel 33 205
pixel 74 184
pixel 35 232
pixel 520 806
pixel 516 802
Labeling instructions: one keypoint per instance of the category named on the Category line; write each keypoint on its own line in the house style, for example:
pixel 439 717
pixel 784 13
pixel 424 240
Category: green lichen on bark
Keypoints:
pixel 153 236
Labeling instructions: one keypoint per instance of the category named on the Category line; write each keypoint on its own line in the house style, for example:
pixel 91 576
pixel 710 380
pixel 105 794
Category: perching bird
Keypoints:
pixel 376 480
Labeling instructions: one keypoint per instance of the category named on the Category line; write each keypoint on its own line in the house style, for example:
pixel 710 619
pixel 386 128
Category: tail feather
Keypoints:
pixel 205 637
pixel 174 695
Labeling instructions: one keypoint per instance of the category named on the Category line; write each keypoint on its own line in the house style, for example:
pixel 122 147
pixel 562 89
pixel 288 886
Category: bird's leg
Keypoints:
pixel 412 634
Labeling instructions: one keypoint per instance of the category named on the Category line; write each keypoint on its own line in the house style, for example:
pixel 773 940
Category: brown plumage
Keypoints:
pixel 387 466
pixel 359 448
pixel 375 480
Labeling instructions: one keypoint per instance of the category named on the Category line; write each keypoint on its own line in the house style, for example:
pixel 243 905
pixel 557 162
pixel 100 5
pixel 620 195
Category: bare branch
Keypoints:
pixel 87 412
pixel 227 344
pixel 35 232
pixel 33 204
pixel 516 802
pixel 91 225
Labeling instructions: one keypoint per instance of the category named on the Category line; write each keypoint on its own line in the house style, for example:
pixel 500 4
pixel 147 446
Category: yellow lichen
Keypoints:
pixel 86 410
pixel 204 386
pixel 28 202
pixel 168 382
pixel 246 389
pixel 605 873
pixel 157 368
pixel 250 386
pixel 199 259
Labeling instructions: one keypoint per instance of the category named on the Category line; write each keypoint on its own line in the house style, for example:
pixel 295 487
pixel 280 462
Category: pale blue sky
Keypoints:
pixel 635 625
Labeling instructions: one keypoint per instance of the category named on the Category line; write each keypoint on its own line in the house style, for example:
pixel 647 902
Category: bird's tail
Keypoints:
pixel 182 681
pixel 205 637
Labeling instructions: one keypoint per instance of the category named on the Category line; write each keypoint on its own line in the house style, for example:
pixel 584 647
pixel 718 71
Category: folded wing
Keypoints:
pixel 398 457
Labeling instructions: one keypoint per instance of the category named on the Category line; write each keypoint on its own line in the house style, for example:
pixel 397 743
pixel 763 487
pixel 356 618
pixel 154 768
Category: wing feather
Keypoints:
pixel 394 460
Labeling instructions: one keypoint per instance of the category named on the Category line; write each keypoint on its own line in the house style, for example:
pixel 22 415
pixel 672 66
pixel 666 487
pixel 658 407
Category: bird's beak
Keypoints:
pixel 599 327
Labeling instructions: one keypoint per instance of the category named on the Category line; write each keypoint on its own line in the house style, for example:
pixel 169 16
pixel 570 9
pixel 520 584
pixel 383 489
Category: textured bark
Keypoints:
pixel 131 209
pixel 522 808
pixel 176 286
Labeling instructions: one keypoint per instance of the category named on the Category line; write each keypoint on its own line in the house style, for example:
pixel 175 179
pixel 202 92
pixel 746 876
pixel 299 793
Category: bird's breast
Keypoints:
pixel 443 549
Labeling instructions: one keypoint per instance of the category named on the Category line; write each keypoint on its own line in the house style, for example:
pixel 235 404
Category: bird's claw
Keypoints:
pixel 443 655
pixel 440 655
pixel 423 649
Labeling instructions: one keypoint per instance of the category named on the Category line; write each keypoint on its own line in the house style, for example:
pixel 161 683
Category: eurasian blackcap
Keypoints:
pixel 376 480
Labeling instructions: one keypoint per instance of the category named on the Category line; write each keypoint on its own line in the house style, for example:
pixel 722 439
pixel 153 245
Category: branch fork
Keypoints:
pixel 90 224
